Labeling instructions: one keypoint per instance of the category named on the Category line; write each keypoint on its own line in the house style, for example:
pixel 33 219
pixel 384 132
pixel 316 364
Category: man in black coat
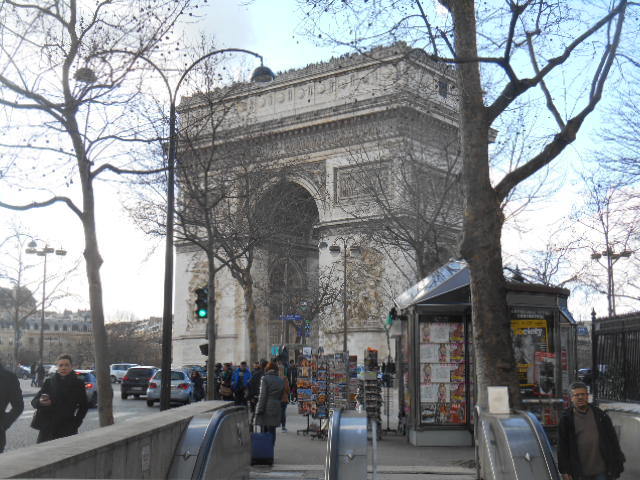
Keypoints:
pixel 61 403
pixel 10 394
pixel 588 447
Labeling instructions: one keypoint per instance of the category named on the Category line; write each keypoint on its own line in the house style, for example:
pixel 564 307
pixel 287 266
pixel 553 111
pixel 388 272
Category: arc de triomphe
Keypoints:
pixel 325 119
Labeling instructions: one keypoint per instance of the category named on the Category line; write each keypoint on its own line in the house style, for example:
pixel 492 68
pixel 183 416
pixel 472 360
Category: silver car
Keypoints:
pixel 181 388
pixel 90 386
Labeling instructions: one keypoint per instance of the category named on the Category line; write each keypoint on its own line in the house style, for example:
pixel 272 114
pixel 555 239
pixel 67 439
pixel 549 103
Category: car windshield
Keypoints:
pixel 174 375
pixel 140 372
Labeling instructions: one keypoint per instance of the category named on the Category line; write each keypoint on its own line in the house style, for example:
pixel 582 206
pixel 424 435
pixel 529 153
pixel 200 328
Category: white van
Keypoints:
pixel 118 370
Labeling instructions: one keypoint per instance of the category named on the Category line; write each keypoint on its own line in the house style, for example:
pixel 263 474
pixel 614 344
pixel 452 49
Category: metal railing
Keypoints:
pixel 617 358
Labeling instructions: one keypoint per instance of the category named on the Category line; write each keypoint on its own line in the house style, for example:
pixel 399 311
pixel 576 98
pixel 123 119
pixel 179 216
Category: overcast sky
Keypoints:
pixel 133 265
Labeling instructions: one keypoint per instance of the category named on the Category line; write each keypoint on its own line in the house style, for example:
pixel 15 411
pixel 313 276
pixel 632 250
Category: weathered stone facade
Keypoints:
pixel 316 118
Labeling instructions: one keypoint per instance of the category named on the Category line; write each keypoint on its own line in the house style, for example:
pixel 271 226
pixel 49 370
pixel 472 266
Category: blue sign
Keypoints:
pixel 291 318
pixel 583 331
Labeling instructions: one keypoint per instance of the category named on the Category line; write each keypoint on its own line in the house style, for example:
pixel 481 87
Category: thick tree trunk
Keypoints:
pixel 483 219
pixel 251 320
pixel 93 262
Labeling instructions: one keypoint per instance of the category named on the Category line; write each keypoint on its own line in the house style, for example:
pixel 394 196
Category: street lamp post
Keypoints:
pixel 43 252
pixel 261 74
pixel 612 257
pixel 343 245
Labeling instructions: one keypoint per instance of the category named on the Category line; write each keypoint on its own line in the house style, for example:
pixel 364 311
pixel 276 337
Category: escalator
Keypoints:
pixel 513 447
pixel 215 446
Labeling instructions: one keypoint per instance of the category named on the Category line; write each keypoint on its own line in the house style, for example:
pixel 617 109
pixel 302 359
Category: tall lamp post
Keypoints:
pixel 261 74
pixel 343 245
pixel 612 257
pixel 43 252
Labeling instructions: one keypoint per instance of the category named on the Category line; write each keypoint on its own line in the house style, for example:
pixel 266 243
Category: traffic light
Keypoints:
pixel 202 302
pixel 393 314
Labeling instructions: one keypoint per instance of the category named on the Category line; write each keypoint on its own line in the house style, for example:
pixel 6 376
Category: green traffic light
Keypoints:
pixel 202 313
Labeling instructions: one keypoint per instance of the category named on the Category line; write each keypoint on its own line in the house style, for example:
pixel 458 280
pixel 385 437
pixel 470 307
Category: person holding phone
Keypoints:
pixel 61 403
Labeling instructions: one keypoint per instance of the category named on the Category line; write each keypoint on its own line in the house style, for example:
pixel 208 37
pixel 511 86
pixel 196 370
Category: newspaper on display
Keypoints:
pixel 442 372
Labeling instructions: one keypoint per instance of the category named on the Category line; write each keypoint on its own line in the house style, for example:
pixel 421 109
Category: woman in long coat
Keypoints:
pixel 268 408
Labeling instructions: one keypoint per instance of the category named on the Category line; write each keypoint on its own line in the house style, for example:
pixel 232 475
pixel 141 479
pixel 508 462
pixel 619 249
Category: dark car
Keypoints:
pixel 136 381
pixel 90 385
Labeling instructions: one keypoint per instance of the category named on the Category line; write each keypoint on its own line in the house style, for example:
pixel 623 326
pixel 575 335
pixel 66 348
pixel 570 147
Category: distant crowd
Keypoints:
pixel 267 389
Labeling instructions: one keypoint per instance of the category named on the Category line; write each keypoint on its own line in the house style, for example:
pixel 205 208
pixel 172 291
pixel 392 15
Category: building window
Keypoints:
pixel 56 328
pixel 65 328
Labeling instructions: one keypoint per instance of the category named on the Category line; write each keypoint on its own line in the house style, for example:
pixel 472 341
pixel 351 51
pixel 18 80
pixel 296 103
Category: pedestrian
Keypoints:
pixel 33 369
pixel 284 402
pixel 61 403
pixel 292 376
pixel 254 385
pixel 588 447
pixel 240 383
pixel 269 409
pixel 40 375
pixel 225 382
pixel 10 394
pixel 217 374
pixel 198 385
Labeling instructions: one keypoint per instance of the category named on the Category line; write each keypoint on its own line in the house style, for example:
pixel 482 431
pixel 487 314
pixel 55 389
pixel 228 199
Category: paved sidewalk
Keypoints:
pixel 300 456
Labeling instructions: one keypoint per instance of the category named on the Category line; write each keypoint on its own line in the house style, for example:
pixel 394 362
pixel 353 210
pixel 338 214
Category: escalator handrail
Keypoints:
pixel 331 467
pixel 543 442
pixel 209 437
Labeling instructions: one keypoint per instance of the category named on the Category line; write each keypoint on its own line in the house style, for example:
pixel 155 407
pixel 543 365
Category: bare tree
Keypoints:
pixel 521 46
pixel 609 216
pixel 69 85
pixel 409 201
pixel 19 298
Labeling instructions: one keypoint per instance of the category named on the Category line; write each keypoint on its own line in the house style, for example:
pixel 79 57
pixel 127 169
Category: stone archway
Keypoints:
pixel 289 262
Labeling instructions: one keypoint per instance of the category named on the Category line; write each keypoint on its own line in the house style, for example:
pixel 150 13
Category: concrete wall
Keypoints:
pixel 140 448
pixel 626 420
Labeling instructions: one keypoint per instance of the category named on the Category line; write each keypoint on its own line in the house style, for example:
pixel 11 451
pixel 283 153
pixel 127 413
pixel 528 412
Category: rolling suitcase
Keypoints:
pixel 261 448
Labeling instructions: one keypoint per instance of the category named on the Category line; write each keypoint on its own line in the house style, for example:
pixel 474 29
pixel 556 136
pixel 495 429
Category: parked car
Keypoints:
pixel 119 370
pixel 136 381
pixel 90 386
pixel 52 370
pixel 181 388
pixel 23 372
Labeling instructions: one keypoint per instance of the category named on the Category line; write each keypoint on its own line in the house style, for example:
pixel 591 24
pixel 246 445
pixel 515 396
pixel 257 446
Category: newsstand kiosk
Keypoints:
pixel 435 354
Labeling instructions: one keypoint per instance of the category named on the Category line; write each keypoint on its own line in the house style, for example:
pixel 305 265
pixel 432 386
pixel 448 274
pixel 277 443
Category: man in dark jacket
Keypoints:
pixel 61 403
pixel 10 394
pixel 588 447
pixel 254 386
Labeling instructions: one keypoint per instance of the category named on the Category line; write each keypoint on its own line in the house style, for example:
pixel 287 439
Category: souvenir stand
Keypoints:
pixel 312 388
pixel 369 397
pixel 435 357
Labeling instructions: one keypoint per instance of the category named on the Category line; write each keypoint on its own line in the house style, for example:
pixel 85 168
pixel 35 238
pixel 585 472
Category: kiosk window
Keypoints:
pixel 442 371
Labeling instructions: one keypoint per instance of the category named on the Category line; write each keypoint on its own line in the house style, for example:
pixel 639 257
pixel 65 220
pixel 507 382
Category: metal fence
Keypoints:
pixel 617 358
